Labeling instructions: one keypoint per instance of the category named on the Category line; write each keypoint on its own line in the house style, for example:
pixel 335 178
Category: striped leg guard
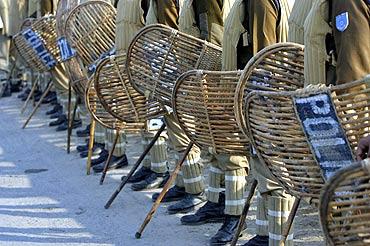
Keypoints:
pixel 216 181
pixel 192 172
pixel 99 134
pixel 235 184
pixel 262 218
pixel 278 212
pixel 83 115
pixel 144 143
pixel 120 148
pixel 64 102
pixel 158 156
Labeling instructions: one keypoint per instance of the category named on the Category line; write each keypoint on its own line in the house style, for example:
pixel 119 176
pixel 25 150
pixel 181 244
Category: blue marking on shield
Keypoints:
pixel 342 21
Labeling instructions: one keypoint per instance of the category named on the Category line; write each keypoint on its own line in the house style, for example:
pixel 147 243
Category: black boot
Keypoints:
pixel 227 231
pixel 84 148
pixel 61 119
pixel 115 163
pixel 83 133
pixel 49 99
pixel 25 93
pixel 96 151
pixel 187 204
pixel 258 241
pixel 103 156
pixel 209 213
pixel 139 175
pixel 174 194
pixel 56 109
pixel 64 126
pixel 152 181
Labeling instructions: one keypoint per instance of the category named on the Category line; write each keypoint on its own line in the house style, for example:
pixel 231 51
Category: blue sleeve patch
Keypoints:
pixel 342 21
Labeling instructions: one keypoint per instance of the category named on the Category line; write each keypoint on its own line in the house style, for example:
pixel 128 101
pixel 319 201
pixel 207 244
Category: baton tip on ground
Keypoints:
pixel 137 235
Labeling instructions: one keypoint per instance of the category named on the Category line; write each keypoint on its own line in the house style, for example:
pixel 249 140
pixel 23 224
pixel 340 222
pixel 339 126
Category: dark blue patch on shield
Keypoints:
pixel 324 132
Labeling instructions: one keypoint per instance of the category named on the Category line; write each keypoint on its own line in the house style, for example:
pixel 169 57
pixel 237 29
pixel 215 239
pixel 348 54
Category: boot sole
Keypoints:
pixel 208 221
pixel 170 199
pixel 110 168
pixel 184 211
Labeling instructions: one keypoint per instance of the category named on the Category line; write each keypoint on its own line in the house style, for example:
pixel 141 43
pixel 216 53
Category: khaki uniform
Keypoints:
pixel 241 42
pixel 316 29
pixel 12 13
pixel 297 18
pixel 209 19
pixel 352 60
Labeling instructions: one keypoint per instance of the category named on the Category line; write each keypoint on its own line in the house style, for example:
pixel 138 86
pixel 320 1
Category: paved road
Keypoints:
pixel 46 198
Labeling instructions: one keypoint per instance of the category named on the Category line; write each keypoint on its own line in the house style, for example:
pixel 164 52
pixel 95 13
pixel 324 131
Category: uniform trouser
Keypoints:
pixel 83 114
pixel 157 158
pixel 60 81
pixel 4 52
pixel 273 204
pixel 106 137
pixel 120 148
pixel 62 96
pixel 230 172
pixel 190 176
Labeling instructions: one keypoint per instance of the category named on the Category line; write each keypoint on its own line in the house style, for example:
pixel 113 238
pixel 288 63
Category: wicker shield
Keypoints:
pixel 117 94
pixel 102 116
pixel 278 67
pixel 23 48
pixel 297 159
pixel 158 55
pixel 345 206
pixel 90 30
pixel 203 101
pixel 38 44
pixel 76 77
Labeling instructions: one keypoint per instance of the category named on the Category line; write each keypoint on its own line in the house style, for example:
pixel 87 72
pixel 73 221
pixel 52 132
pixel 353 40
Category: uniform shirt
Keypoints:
pixel 168 13
pixel 352 44
pixel 297 18
pixel 12 13
pixel 209 19
pixel 266 25
pixel 130 19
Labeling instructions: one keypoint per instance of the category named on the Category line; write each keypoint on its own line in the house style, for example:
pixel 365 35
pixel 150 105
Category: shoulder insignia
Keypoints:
pixel 342 21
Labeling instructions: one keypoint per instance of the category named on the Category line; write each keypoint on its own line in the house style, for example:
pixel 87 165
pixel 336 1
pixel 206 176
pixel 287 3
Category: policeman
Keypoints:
pixel 250 26
pixel 202 19
pixel 166 12
pixel 331 55
pixel 11 17
pixel 131 17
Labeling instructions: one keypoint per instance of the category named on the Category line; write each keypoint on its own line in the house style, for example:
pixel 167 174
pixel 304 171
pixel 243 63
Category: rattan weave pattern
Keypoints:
pixel 345 206
pixel 117 94
pixel 279 67
pixel 24 49
pixel 96 109
pixel 203 103
pixel 45 27
pixel 76 76
pixel 158 55
pixel 90 30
